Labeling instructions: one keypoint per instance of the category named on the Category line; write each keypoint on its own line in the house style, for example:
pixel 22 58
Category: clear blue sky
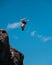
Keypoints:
pixel 35 42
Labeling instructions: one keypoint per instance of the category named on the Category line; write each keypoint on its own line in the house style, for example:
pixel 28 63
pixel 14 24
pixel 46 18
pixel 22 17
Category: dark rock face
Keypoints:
pixel 8 55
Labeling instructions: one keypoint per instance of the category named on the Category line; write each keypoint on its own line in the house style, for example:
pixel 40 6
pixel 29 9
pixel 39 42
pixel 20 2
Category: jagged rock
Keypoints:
pixel 8 55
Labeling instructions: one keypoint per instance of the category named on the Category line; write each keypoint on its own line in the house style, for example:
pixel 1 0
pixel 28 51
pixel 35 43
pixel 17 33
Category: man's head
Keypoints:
pixel 4 44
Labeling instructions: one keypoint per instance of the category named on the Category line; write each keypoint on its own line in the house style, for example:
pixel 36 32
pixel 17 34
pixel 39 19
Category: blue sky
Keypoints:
pixel 35 42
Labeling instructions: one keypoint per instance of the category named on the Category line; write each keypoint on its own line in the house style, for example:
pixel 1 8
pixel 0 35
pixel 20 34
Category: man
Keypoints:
pixel 8 55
